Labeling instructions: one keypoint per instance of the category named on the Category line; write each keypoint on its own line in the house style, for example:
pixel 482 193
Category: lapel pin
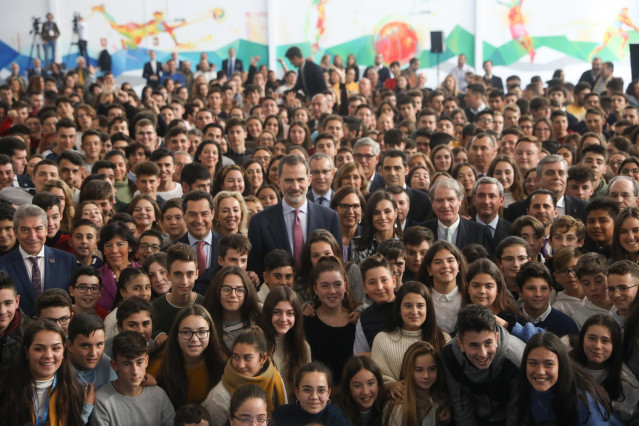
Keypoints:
pixel 51 260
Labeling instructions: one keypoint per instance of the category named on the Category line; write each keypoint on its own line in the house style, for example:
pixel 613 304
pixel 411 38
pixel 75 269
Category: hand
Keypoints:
pixel 354 316
pixel 12 114
pixel 290 98
pixel 280 60
pixel 254 278
pixel 123 96
pixel 149 380
pixel 501 321
pixel 396 389
pixel 255 60
pixel 309 310
pixel 161 338
pixel 92 69
pixel 444 415
pixel 89 394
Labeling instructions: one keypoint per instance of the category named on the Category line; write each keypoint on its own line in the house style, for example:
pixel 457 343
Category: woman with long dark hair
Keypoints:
pixel 379 223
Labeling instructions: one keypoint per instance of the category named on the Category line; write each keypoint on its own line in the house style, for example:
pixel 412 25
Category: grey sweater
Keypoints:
pixel 151 408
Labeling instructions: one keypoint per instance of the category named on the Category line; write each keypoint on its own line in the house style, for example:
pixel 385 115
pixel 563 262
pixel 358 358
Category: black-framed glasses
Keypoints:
pixel 188 334
pixel 65 320
pixel 567 272
pixel 81 288
pixel 150 246
pixel 345 207
pixel 227 290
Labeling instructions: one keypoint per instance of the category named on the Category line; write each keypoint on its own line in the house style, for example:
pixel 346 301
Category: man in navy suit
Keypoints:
pixel 495 82
pixel 447 195
pixel 366 153
pixel 152 70
pixel 394 170
pixel 488 199
pixel 17 150
pixel 33 266
pixel 288 224
pixel 311 77
pixel 232 64
pixel 552 173
pixel 198 210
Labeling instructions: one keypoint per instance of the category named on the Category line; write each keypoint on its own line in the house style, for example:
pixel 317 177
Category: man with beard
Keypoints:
pixel 288 224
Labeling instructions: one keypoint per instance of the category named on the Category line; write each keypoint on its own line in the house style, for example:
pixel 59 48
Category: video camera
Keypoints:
pixel 76 17
pixel 36 24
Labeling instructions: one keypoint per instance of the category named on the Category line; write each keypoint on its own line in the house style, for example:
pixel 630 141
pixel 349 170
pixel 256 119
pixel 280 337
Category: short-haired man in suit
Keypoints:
pixel 311 77
pixel 322 172
pixel 232 64
pixel 288 224
pixel 35 267
pixel 366 153
pixel 447 195
pixel 488 199
pixel 152 70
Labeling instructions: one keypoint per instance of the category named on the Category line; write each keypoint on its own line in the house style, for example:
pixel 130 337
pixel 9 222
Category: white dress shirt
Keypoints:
pixel 441 231
pixel 446 308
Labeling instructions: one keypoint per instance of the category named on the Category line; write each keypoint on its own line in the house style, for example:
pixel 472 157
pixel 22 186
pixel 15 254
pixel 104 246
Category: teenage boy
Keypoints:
pixel 13 321
pixel 85 349
pixel 511 254
pixel 126 400
pixel 84 242
pixel 572 297
pixel 279 269
pixel 150 243
pixel 623 282
pixel 91 146
pixel 182 268
pixel 172 218
pixel 236 134
pixel 55 305
pixel 592 271
pixel 148 180
pixel 580 182
pixel 86 289
pixel 8 240
pixel 566 231
pixel 165 160
pixel 379 285
pixel 533 281
pixel 135 314
pixel 418 240
pixel 600 225
pixel 594 157
pixel 482 369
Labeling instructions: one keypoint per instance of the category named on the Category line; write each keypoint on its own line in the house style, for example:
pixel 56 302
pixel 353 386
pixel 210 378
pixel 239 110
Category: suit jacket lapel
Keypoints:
pixel 277 225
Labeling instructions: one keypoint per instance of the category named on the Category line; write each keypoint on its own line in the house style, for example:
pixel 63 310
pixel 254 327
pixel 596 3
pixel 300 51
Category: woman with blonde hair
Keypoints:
pixel 351 174
pixel 231 213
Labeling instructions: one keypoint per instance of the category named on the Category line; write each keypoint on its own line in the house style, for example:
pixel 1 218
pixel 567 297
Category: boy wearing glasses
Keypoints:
pixel 182 268
pixel 85 349
pixel 55 305
pixel 86 289
pixel 623 279
pixel 592 271
pixel 126 400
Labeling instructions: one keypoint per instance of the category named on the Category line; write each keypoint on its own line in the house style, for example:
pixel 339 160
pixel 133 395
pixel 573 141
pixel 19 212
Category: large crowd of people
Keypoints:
pixel 344 246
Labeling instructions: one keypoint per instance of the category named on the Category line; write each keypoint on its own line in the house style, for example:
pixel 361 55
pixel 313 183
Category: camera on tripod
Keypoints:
pixel 76 18
pixel 35 25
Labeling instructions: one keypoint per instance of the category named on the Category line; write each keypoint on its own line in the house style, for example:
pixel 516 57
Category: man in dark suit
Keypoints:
pixel 404 204
pixel 288 224
pixel 394 170
pixel 322 172
pixel 488 199
pixel 232 64
pixel 591 75
pixel 552 173
pixel 198 215
pixel 37 69
pixel 495 82
pixel 17 150
pixel 447 195
pixel 33 266
pixel 383 72
pixel 366 153
pixel 152 70
pixel 311 77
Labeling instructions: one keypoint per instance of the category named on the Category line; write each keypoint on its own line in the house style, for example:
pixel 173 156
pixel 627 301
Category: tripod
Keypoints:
pixel 36 42
pixel 75 40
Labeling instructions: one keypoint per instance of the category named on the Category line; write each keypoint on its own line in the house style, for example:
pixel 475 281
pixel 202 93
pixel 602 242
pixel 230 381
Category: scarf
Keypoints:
pixel 269 381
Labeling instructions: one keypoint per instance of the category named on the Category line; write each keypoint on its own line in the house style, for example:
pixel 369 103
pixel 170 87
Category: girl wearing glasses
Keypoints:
pixel 248 407
pixel 282 322
pixel 191 362
pixel 313 391
pixel 233 303
pixel 249 364
pixel 600 353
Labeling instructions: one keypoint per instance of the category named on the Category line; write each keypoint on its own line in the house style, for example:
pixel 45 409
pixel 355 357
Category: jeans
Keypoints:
pixel 82 45
pixel 49 52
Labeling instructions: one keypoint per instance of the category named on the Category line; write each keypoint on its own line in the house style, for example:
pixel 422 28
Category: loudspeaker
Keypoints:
pixel 437 42
pixel 634 60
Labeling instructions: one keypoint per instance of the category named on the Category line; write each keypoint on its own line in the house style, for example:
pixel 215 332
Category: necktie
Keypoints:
pixel 36 277
pixel 201 257
pixel 231 67
pixel 322 201
pixel 447 235
pixel 298 241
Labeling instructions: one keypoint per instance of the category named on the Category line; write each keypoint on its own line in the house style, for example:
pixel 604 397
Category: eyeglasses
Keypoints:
pixel 346 207
pixel 94 289
pixel 188 334
pixel 366 157
pixel 320 172
pixel 150 246
pixel 512 259
pixel 567 272
pixel 260 420
pixel 309 390
pixel 227 290
pixel 623 289
pixel 65 320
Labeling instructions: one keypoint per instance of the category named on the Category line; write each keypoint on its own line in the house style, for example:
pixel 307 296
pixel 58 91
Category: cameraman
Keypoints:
pixel 50 34
pixel 80 27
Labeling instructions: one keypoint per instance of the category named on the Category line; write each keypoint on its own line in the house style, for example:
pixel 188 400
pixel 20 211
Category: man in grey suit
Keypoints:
pixel 488 199
pixel 288 224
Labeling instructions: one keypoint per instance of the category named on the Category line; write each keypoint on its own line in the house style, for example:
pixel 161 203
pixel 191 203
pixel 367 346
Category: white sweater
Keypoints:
pixel 389 349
